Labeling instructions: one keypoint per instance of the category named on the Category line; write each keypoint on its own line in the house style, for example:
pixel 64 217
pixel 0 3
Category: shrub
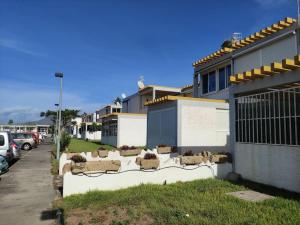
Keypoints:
pixel 188 153
pixel 78 159
pixel 65 140
pixel 161 145
pixel 126 147
pixel 150 156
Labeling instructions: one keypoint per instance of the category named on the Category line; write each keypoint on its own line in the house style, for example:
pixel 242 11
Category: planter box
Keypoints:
pixel 103 153
pixel 147 164
pixel 219 158
pixel 103 166
pixel 164 150
pixel 191 160
pixel 77 167
pixel 130 152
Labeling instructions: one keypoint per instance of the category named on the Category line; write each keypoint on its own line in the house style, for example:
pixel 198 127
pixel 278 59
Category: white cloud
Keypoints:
pixel 17 46
pixel 24 101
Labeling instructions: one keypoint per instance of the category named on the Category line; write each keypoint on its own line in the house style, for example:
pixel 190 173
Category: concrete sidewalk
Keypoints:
pixel 26 190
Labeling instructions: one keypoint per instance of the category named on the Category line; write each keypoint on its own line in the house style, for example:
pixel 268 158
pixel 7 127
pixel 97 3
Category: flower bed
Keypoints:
pixel 150 161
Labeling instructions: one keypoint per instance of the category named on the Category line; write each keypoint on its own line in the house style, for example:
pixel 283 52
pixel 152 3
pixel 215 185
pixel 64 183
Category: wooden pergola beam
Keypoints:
pixel 277 67
pixel 289 64
pixel 267 70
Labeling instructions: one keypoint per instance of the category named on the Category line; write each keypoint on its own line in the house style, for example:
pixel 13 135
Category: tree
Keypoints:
pixel 66 115
pixel 10 122
pixel 118 100
pixel 227 44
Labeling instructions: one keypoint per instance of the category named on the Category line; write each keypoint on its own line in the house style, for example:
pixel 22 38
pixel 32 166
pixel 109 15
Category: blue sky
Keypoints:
pixel 104 46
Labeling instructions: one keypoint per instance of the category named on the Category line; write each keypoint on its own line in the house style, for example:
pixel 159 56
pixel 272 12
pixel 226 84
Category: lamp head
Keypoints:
pixel 59 74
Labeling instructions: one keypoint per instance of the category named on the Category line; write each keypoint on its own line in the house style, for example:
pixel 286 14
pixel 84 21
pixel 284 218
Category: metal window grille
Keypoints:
pixel 272 117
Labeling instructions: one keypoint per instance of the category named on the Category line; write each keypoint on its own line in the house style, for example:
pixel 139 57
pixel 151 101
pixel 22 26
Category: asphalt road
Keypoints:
pixel 26 190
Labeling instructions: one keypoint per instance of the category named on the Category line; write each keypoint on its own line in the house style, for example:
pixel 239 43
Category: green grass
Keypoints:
pixel 205 202
pixel 78 145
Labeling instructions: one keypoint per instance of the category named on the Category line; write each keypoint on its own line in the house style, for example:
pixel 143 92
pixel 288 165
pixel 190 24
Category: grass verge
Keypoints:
pixel 78 145
pixel 202 202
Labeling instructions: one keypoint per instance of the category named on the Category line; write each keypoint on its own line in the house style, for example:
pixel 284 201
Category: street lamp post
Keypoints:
pixel 56 124
pixel 59 75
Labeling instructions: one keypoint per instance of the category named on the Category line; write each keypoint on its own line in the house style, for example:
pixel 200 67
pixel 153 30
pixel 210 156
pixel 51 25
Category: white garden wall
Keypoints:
pixel 170 171
pixel 278 166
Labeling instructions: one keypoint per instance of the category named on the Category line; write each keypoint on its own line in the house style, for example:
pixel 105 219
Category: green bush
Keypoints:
pixel 65 140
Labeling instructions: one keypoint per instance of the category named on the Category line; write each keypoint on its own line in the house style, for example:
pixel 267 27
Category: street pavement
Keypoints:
pixel 26 190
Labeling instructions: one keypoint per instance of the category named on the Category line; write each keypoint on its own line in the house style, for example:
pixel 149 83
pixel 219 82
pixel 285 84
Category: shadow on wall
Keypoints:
pixel 198 149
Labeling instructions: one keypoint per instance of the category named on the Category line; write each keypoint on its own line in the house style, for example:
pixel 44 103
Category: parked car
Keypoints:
pixel 35 136
pixel 3 164
pixel 16 149
pixel 25 140
pixel 5 146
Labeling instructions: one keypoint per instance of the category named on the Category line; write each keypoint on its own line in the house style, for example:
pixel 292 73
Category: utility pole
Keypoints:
pixel 59 75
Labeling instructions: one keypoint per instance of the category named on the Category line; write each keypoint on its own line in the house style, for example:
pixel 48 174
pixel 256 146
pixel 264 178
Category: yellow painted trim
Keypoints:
pixel 297 59
pixel 240 77
pixel 233 79
pixel 289 64
pixel 267 70
pixel 277 67
pixel 276 27
pixel 248 75
pixel 257 73
pixel 124 114
pixel 175 98
pixel 282 24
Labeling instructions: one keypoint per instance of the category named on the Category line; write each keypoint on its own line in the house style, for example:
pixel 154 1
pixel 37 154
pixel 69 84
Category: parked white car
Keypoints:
pixel 6 146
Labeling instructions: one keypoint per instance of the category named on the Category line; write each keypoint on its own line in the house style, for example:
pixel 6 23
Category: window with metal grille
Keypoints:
pixel 272 117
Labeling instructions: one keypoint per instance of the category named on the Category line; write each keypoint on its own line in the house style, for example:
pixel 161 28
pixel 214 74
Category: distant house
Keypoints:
pixel 87 127
pixel 42 125
pixel 130 126
pixel 108 109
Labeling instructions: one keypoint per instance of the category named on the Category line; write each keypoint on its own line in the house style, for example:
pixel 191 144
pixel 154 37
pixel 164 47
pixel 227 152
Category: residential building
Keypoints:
pixel 42 125
pixel 136 103
pixel 130 126
pixel 90 129
pixel 106 110
pixel 187 91
pixel 190 124
pixel 265 106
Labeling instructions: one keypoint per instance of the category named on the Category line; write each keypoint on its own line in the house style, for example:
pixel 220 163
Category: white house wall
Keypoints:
pixel 203 126
pixel 284 48
pixel 269 164
pixel 132 130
